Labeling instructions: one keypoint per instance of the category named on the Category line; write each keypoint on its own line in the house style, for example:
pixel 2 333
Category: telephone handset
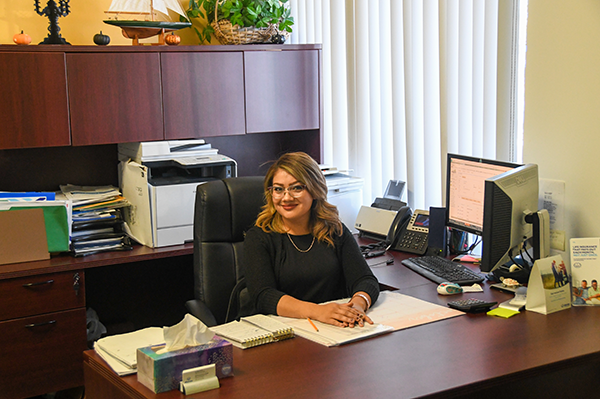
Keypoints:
pixel 409 231
pixel 400 221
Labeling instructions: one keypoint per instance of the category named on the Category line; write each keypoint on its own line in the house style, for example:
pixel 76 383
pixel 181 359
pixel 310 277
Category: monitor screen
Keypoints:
pixel 465 190
pixel 509 198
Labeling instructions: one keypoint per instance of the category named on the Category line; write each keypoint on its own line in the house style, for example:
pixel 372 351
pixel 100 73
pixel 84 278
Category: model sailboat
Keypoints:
pixel 140 19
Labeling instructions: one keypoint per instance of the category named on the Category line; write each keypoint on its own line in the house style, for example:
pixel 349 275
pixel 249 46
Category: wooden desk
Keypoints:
pixel 528 355
pixel 43 316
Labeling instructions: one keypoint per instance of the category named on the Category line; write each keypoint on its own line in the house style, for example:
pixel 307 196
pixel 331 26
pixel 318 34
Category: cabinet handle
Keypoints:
pixel 33 325
pixel 39 283
pixel 76 283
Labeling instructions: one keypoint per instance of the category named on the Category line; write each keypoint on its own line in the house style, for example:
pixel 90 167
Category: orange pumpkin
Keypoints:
pixel 22 39
pixel 172 40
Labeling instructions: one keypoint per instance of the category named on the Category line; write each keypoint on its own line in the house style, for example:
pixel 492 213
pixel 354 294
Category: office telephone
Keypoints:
pixel 409 231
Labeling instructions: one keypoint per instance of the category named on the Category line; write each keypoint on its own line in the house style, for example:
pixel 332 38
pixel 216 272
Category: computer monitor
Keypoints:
pixel 465 186
pixel 509 198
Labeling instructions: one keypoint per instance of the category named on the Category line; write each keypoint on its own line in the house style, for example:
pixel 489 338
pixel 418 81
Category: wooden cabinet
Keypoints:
pixel 33 104
pixel 282 90
pixel 42 325
pixel 81 96
pixel 203 94
pixel 114 97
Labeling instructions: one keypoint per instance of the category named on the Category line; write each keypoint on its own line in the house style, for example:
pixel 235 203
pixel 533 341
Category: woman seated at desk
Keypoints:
pixel 299 254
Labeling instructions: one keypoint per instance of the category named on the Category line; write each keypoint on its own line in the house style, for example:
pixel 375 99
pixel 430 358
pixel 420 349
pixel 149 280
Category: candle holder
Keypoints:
pixel 53 11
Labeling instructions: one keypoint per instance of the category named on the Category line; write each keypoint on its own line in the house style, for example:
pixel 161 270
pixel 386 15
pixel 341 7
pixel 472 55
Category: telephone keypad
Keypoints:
pixel 413 241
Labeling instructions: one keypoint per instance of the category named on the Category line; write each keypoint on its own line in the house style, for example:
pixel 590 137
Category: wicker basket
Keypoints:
pixel 227 33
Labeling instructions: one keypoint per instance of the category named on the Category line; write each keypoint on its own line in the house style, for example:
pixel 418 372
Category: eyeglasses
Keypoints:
pixel 294 191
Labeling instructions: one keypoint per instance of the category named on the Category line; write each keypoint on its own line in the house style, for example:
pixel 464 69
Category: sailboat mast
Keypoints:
pixel 152 9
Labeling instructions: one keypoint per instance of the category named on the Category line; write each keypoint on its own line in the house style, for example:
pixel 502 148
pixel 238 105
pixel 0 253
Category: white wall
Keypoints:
pixel 562 105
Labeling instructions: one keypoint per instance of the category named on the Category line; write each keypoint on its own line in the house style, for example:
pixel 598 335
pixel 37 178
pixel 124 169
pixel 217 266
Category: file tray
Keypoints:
pixel 163 372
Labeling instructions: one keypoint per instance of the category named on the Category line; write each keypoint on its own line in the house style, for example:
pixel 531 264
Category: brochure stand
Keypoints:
pixel 548 290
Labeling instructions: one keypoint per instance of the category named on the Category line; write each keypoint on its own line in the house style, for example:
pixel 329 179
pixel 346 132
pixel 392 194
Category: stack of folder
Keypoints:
pixel 97 224
pixel 32 225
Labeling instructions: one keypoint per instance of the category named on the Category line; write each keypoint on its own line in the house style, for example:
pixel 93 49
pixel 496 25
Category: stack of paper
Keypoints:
pixel 119 351
pixel 97 220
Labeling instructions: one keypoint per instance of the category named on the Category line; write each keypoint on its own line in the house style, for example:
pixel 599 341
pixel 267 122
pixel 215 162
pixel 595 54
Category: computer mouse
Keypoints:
pixel 449 288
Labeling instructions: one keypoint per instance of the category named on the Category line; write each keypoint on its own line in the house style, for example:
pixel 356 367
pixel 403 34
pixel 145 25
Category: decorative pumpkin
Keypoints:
pixel 101 40
pixel 22 39
pixel 172 40
pixel 278 39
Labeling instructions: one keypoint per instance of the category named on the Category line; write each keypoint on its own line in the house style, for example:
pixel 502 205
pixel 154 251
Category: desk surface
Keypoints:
pixel 471 354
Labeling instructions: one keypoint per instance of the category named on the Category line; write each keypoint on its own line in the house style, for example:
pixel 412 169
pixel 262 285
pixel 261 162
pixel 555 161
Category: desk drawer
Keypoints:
pixel 28 296
pixel 42 354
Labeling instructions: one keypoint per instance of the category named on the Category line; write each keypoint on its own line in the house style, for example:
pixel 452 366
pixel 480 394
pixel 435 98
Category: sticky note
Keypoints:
pixel 502 312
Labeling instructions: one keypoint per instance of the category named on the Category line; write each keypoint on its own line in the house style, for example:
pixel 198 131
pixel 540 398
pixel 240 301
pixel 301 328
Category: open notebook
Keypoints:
pixel 254 330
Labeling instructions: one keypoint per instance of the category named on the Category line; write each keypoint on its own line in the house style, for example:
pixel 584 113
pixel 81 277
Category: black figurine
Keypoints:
pixel 53 11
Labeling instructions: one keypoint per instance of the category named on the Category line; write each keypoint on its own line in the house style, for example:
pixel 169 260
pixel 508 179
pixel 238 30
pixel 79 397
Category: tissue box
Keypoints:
pixel 162 372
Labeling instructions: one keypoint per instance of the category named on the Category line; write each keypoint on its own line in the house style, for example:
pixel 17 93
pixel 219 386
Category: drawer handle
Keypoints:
pixel 33 325
pixel 39 283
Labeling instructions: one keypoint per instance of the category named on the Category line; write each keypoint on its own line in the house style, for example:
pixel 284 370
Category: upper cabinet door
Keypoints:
pixel 282 90
pixel 114 97
pixel 203 94
pixel 33 105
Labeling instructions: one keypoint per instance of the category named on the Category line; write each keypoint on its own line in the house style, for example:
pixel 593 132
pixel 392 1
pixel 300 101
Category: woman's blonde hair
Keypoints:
pixel 324 218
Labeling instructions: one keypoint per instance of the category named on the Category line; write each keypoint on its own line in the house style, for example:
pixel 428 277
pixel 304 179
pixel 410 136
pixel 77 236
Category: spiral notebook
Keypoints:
pixel 253 331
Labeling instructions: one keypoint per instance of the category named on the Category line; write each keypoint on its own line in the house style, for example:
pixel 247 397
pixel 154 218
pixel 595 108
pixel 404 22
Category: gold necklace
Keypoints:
pixel 299 250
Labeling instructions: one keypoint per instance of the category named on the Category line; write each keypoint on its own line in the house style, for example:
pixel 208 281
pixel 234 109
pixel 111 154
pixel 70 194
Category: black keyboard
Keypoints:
pixel 441 270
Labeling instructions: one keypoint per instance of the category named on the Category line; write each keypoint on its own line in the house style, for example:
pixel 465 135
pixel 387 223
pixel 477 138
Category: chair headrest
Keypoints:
pixel 226 208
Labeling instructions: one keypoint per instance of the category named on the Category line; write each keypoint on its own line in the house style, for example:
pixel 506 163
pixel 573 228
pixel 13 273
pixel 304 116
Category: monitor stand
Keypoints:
pixel 541 233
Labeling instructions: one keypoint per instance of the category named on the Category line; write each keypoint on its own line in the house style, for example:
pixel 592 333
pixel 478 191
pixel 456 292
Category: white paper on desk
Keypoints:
pixel 123 347
pixel 402 311
pixel 117 366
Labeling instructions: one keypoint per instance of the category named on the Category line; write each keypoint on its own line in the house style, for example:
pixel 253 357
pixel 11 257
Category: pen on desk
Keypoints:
pixel 312 324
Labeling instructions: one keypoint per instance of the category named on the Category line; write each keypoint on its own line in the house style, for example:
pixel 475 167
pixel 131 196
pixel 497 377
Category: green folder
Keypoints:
pixel 57 225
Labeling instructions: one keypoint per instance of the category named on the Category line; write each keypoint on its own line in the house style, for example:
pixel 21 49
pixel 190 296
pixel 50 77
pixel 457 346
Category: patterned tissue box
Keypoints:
pixel 162 372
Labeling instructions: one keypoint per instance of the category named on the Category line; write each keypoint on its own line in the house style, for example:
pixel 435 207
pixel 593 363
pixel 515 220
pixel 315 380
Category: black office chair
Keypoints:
pixel 224 211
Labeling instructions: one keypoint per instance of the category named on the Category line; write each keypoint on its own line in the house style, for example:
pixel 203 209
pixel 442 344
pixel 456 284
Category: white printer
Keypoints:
pixel 160 179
